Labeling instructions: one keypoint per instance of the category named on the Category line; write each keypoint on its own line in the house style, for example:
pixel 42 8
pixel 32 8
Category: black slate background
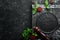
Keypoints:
pixel 15 16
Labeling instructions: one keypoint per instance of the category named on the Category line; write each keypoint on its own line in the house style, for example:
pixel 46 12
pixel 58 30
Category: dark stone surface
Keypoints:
pixel 15 16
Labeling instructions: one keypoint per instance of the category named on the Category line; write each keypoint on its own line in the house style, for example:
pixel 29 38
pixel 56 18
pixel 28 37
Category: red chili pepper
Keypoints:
pixel 42 35
pixel 33 37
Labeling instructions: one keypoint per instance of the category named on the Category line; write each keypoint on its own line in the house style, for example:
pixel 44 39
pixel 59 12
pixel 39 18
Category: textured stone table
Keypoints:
pixel 15 16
